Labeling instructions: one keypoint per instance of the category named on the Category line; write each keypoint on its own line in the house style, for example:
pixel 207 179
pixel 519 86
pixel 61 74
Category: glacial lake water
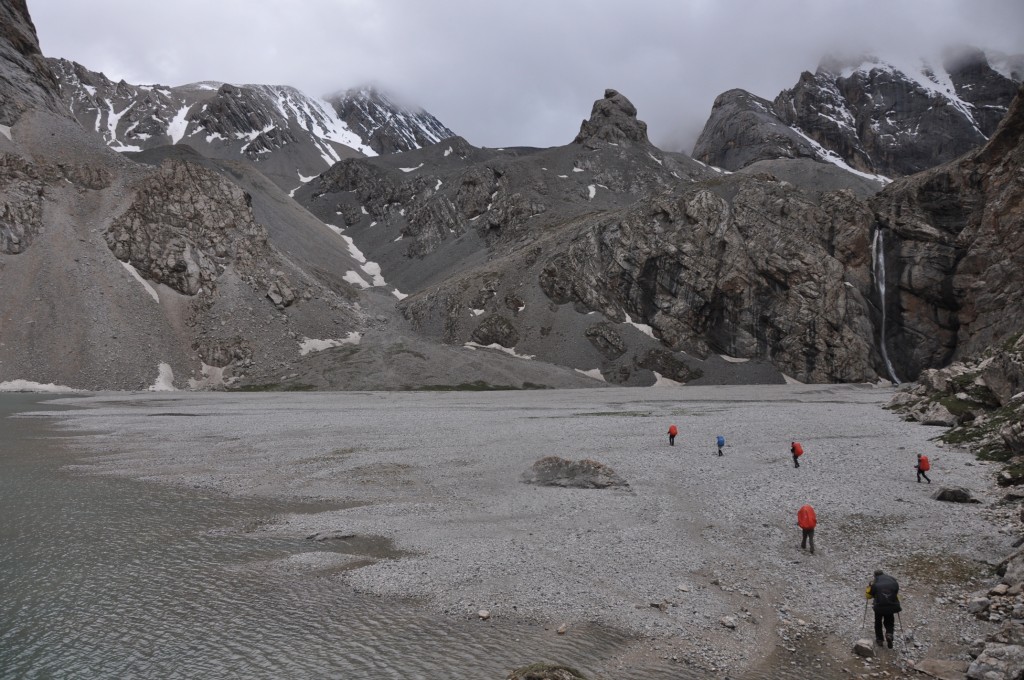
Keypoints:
pixel 103 577
pixel 109 578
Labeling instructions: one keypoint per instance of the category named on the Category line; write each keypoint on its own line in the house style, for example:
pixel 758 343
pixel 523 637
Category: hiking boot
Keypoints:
pixel 888 643
pixel 879 642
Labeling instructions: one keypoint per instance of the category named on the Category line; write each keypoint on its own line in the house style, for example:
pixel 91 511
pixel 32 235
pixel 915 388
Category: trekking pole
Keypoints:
pixel 864 623
pixel 902 634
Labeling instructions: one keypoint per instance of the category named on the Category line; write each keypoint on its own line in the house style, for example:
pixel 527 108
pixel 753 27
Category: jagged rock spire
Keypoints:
pixel 613 119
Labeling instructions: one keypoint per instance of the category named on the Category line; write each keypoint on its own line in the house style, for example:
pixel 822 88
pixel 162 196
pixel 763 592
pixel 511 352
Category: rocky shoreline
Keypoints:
pixel 699 556
pixel 981 401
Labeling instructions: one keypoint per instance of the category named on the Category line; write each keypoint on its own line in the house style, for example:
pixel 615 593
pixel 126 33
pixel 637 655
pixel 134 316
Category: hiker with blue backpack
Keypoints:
pixel 721 443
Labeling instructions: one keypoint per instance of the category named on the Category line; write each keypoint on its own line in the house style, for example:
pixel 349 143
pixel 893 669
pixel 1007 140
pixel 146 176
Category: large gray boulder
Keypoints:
pixel 583 474
pixel 998 662
pixel 955 494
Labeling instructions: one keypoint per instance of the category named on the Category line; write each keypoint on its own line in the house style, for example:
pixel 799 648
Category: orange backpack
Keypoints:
pixel 924 465
pixel 673 430
pixel 806 518
pixel 798 450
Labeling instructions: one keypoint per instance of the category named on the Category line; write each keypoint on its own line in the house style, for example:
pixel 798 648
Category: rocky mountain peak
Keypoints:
pixel 883 118
pixel 385 125
pixel 613 120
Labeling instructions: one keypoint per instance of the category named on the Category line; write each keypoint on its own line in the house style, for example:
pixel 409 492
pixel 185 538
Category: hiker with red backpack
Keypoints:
pixel 797 450
pixel 806 520
pixel 672 432
pixel 923 466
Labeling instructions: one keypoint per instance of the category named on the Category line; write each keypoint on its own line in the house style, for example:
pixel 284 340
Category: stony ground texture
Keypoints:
pixel 696 538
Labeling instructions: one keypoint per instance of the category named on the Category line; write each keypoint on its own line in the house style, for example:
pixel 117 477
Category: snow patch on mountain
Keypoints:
pixel 835 159
pixel 138 277
pixel 511 351
pixel 31 386
pixel 308 345
pixel 594 373
pixel 179 124
pixel 164 379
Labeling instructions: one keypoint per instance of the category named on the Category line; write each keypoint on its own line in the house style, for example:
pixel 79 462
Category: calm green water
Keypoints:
pixel 110 578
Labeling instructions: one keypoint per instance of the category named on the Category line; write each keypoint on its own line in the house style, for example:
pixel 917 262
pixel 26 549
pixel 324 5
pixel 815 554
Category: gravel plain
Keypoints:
pixel 697 538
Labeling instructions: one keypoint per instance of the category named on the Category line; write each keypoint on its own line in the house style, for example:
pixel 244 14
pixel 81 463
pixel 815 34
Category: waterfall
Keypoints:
pixel 878 271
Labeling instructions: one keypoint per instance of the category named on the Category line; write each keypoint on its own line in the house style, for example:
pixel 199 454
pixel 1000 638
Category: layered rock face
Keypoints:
pixel 26 81
pixel 568 257
pixel 873 116
pixel 710 269
pixel 185 226
pixel 956 250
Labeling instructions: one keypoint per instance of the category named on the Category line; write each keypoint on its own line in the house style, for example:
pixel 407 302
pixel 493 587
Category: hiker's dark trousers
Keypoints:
pixel 808 536
pixel 920 474
pixel 889 621
pixel 796 461
pixel 672 440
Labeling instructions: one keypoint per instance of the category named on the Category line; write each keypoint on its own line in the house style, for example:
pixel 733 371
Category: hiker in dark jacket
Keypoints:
pixel 884 590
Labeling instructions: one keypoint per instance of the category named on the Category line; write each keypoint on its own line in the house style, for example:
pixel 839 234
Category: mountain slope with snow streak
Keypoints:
pixel 879 117
pixel 289 135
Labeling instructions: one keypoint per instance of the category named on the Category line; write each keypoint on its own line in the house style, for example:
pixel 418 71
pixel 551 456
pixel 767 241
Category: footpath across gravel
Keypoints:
pixel 702 552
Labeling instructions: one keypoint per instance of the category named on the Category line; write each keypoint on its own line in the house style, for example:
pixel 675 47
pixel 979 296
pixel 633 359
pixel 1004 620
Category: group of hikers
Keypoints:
pixel 883 589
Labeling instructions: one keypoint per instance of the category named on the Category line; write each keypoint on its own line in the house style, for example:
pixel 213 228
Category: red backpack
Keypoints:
pixel 805 517
pixel 798 450
pixel 924 465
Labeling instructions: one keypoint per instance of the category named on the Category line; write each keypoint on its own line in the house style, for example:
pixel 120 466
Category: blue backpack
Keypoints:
pixel 721 441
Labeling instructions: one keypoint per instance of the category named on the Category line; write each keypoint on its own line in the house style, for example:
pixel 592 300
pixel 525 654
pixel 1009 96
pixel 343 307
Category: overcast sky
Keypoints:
pixel 518 72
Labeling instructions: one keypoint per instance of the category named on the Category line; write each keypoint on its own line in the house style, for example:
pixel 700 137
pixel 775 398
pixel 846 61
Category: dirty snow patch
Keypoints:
pixel 642 327
pixel 476 312
pixel 176 128
pixel 373 269
pixel 399 294
pixel 313 345
pixel 448 152
pixel 5 130
pixel 501 348
pixel 145 284
pixel 355 279
pixel 411 169
pixel 594 373
pixel 363 209
pixel 592 190
pixel 791 380
pixel 164 379
pixel 356 254
pixel 662 381
pixel 658 160
pixel 577 170
pixel 733 360
pixel 438 185
pixel 213 377
pixel 30 386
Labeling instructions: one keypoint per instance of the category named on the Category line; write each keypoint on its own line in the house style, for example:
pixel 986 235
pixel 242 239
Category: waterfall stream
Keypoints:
pixel 878 272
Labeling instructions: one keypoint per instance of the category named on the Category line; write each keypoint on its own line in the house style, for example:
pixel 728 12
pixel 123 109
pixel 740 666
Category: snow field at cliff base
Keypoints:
pixel 695 539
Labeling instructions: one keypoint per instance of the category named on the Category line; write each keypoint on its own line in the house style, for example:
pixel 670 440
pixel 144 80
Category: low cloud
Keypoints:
pixel 523 73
